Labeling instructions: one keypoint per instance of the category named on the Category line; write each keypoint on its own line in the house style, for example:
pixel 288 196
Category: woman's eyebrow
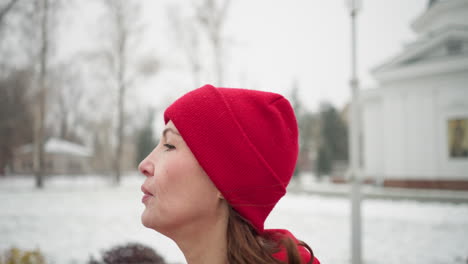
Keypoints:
pixel 169 130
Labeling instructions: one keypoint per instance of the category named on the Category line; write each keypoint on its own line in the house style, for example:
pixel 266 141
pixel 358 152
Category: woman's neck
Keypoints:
pixel 204 242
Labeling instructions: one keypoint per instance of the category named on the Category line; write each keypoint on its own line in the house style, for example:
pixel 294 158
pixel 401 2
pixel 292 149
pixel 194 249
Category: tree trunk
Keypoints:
pixel 40 113
pixel 120 124
pixel 122 42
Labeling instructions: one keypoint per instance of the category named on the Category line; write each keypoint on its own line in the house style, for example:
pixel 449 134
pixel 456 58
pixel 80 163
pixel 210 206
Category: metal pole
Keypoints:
pixel 356 249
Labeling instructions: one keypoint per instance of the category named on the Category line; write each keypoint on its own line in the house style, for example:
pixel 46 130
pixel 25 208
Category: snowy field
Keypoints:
pixel 76 217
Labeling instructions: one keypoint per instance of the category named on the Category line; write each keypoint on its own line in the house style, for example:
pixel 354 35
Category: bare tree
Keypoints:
pixel 5 9
pixel 202 27
pixel 67 97
pixel 186 35
pixel 39 128
pixel 29 21
pixel 211 15
pixel 123 29
pixel 46 12
pixel 15 24
pixel 15 115
pixel 33 25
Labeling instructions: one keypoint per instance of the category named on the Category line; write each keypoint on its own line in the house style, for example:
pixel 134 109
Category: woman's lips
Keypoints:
pixel 146 194
pixel 145 198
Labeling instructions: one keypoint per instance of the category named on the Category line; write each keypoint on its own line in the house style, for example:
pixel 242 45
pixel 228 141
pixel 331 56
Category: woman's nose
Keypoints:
pixel 146 168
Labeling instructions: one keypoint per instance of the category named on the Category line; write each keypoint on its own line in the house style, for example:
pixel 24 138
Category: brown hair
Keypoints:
pixel 246 246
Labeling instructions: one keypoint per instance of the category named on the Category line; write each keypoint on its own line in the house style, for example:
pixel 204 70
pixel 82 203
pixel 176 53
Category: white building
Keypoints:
pixel 415 124
pixel 60 157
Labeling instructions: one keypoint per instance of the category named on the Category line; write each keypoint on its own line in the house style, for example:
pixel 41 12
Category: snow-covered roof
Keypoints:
pixel 440 15
pixel 59 146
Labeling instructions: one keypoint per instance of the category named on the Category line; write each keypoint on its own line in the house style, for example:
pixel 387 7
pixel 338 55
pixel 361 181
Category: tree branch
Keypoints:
pixel 6 9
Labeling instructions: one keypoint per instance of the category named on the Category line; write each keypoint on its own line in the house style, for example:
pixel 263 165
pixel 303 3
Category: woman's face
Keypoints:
pixel 177 191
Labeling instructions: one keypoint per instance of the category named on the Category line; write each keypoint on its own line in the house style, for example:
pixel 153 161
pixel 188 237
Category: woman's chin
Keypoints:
pixel 150 221
pixel 144 219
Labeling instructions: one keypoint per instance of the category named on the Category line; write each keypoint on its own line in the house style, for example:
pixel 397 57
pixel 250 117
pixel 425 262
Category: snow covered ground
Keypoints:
pixel 74 217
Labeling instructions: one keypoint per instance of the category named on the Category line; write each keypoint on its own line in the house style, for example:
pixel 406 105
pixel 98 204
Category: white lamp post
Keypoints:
pixel 354 149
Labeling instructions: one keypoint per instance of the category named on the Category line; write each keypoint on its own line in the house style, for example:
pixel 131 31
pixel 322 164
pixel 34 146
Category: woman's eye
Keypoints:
pixel 169 146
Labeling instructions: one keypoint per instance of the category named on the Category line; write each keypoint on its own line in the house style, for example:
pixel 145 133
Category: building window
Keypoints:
pixel 458 138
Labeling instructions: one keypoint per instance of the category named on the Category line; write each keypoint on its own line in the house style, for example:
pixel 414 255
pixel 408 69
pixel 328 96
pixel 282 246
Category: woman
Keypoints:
pixel 224 160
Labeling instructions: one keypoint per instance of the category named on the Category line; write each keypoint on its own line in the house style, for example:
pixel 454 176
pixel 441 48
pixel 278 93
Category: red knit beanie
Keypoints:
pixel 245 140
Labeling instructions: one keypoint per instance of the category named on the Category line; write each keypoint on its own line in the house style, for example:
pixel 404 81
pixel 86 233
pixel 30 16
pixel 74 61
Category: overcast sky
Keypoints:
pixel 272 43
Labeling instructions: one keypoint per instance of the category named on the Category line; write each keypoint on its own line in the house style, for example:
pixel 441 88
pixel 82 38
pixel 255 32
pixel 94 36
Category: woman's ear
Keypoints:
pixel 220 196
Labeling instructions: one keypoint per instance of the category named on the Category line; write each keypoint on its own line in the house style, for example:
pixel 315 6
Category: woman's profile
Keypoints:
pixel 224 160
